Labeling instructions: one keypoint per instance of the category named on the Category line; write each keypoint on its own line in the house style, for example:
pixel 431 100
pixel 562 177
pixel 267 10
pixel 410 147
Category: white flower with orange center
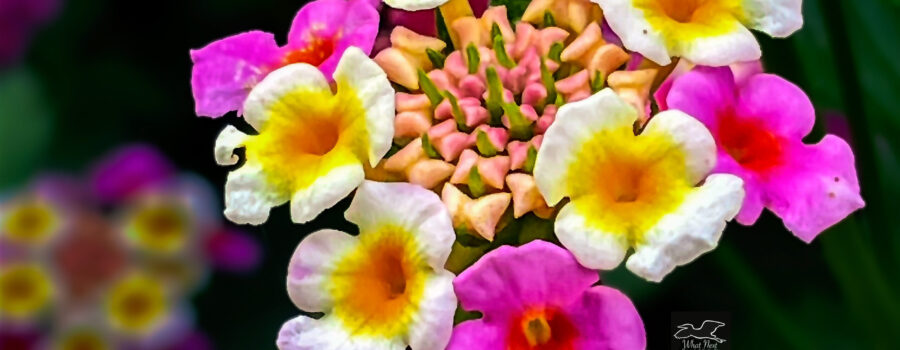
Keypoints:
pixel 312 143
pixel 707 32
pixel 648 191
pixel 25 290
pixel 384 289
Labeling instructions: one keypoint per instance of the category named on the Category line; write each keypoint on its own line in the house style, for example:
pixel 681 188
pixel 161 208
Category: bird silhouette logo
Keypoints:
pixel 707 330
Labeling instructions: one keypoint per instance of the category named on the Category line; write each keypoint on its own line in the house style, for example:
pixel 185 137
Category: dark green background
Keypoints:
pixel 110 72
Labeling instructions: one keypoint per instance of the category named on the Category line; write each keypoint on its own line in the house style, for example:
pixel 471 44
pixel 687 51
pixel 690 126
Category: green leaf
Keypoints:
pixel 494 100
pixel 519 126
pixel 476 185
pixel 549 21
pixel 484 145
pixel 502 56
pixel 473 58
pixel 430 90
pixel 458 114
pixel 549 83
pixel 428 147
pixel 437 59
pixel 530 159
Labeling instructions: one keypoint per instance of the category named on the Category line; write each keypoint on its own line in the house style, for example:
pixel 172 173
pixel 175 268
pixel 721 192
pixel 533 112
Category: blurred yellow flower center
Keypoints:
pixel 161 227
pixel 82 341
pixel 308 133
pixel 682 21
pixel 30 223
pixel 24 290
pixel 136 304
pixel 377 288
pixel 626 183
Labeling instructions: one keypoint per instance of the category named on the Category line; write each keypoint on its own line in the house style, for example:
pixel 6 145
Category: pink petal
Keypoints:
pixel 129 171
pixel 225 71
pixel 819 189
pixel 478 335
pixel 702 93
pixel 340 23
pixel 607 320
pixel 781 105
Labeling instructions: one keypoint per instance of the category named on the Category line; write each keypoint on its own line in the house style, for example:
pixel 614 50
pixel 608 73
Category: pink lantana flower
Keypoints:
pixel 226 70
pixel 537 296
pixel 759 125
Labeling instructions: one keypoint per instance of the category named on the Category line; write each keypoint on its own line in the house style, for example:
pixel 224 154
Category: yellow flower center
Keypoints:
pixel 82 340
pixel 626 183
pixel 377 288
pixel 136 304
pixel 683 21
pixel 24 290
pixel 30 223
pixel 161 227
pixel 307 134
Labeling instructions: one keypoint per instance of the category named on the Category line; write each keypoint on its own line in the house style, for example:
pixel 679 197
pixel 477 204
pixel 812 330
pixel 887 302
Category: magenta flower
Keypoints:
pixel 759 126
pixel 128 171
pixel 225 70
pixel 18 21
pixel 537 296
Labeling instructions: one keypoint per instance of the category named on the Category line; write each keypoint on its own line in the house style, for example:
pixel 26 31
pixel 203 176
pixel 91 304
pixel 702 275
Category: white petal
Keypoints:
pixel 778 18
pixel 325 192
pixel 693 229
pixel 311 266
pixel 248 198
pixel 691 137
pixel 629 23
pixel 370 84
pixel 229 139
pixel 276 85
pixel 576 123
pixel 412 207
pixel 433 323
pixel 739 45
pixel 414 5
pixel 304 333
pixel 592 247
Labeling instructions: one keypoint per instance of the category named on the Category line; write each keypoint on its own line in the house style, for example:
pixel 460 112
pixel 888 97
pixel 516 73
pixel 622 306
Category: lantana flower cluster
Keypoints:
pixel 628 126
pixel 110 261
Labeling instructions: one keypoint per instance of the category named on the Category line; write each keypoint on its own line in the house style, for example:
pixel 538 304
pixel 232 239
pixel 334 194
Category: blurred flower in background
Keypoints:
pixel 18 21
pixel 112 261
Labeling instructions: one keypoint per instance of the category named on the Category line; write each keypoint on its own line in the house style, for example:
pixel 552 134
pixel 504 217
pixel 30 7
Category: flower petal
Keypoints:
pixel 736 45
pixel 607 320
pixel 248 198
pixel 575 123
pixel 782 106
pixel 778 18
pixel 477 335
pixel 432 325
pixel 414 5
pixel 327 333
pixel 327 190
pixel 693 229
pixel 340 24
pixel 276 86
pixel 594 248
pixel 819 190
pixel 410 207
pixel 636 33
pixel 225 71
pixel 228 140
pixel 702 92
pixel 364 78
pixel 507 278
pixel 311 265
pixel 689 136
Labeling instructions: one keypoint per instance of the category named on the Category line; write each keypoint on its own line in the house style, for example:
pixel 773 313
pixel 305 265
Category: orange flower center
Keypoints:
pixel 542 329
pixel 752 146
pixel 314 53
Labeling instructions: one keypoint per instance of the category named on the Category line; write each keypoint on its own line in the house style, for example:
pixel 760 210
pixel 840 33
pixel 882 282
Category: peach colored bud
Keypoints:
pixel 405 157
pixel 471 86
pixel 525 35
pixel 493 170
pixel 518 153
pixel 441 79
pixel 548 37
pixel 634 88
pixel 584 45
pixel 497 136
pixel 607 58
pixel 415 45
pixel 398 68
pixel 456 203
pixel 467 160
pixel 429 173
pixel 411 102
pixel 525 194
pixel 411 124
pixel 455 65
pixel 484 213
pixel 442 129
pixel 475 115
pixel 576 87
pixel 451 145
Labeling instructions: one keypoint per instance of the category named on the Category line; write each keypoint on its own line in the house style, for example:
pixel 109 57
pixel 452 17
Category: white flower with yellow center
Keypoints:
pixel 384 289
pixel 137 305
pixel 312 144
pixel 706 32
pixel 634 191
pixel 31 222
pixel 25 290
pixel 159 226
